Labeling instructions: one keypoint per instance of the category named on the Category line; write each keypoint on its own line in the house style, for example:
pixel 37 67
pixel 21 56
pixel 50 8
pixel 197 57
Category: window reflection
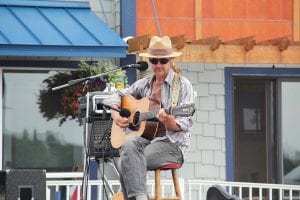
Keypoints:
pixel 30 140
pixel 251 120
pixel 291 131
pixel 250 108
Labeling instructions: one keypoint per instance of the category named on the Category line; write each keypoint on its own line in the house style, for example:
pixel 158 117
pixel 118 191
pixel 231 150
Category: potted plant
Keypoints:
pixel 62 103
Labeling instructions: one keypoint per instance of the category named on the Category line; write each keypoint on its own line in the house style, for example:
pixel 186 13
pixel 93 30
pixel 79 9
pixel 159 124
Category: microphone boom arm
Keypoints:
pixel 142 65
pixel 76 81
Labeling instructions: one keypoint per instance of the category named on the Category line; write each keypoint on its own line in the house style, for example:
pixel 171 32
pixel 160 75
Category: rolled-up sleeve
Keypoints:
pixel 114 99
pixel 187 97
pixel 185 123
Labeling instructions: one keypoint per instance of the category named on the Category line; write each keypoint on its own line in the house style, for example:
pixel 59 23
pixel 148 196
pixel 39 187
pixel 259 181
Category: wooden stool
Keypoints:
pixel 173 167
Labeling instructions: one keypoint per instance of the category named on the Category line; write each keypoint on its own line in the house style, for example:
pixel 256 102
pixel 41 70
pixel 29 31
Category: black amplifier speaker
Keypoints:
pixel 98 124
pixel 99 144
pixel 23 185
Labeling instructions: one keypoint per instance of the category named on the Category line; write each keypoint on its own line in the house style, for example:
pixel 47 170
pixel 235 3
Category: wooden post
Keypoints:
pixel 296 20
pixel 198 19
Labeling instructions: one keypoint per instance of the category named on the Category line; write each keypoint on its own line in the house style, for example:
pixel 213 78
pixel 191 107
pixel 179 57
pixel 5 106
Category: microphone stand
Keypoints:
pixel 87 140
pixel 76 81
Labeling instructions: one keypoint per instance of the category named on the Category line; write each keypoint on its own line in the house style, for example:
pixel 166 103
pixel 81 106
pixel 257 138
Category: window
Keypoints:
pixel 290 112
pixel 30 141
pixel 262 126
pixel 250 97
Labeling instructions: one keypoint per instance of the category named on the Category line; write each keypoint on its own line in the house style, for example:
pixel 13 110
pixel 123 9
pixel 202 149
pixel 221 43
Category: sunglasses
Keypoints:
pixel 162 61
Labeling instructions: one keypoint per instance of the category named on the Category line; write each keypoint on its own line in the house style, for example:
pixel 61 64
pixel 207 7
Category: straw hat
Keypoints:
pixel 160 47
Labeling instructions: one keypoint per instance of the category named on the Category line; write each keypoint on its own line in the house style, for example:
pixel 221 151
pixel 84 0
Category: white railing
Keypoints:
pixel 63 186
pixel 196 189
pixel 66 185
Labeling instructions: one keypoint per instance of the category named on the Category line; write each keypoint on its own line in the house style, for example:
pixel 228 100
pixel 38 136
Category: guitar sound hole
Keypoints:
pixel 136 118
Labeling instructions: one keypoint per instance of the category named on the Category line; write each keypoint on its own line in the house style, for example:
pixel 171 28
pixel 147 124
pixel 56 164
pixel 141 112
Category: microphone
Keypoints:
pixel 123 112
pixel 141 65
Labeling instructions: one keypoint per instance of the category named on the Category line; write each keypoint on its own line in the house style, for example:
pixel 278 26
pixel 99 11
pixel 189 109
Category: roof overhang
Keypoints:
pixel 55 29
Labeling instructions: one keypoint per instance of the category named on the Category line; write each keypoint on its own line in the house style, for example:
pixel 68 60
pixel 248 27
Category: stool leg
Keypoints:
pixel 157 184
pixel 176 184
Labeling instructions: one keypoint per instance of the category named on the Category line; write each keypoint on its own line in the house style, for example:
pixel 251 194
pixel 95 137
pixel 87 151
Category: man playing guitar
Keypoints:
pixel 165 89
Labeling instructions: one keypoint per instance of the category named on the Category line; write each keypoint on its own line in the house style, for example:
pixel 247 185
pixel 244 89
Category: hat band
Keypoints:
pixel 160 52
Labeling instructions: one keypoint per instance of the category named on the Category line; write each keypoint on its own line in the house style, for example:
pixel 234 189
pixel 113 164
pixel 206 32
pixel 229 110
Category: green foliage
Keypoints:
pixel 62 104
pixel 98 68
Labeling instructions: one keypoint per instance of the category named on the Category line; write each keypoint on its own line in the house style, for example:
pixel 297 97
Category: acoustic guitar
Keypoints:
pixel 142 121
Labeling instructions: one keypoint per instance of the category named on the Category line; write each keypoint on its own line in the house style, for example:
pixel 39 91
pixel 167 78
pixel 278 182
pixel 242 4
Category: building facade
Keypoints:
pixel 39 41
pixel 242 58
pixel 245 127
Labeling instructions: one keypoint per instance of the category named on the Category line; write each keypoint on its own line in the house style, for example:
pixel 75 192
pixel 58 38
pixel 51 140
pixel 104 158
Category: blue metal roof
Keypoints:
pixel 55 28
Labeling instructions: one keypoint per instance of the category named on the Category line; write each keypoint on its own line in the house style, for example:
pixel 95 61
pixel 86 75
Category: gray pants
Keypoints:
pixel 139 155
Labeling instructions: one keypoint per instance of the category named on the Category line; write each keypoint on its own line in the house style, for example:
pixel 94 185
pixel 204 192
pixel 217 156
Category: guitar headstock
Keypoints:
pixel 185 110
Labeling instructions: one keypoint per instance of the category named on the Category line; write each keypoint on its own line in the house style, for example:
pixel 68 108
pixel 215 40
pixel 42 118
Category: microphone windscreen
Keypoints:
pixel 143 65
pixel 124 112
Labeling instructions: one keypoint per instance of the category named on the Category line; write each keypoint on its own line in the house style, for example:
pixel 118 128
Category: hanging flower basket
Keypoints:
pixel 62 104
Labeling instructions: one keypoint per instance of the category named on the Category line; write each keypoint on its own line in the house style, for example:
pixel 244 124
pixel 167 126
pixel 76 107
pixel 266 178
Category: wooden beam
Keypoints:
pixel 273 41
pixel 178 42
pixel 272 51
pixel 260 54
pixel 296 20
pixel 282 42
pixel 198 19
pixel 213 41
pixel 139 43
pixel 283 45
pixel 296 43
pixel 247 42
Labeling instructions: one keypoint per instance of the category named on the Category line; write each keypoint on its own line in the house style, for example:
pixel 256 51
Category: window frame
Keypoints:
pixel 249 72
pixel 25 68
pixel 279 124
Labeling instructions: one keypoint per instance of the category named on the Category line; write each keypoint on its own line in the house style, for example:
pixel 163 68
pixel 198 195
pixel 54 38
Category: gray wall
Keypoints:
pixel 206 157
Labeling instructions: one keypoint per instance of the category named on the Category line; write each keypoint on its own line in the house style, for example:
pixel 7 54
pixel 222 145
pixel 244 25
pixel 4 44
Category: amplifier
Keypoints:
pixel 98 124
pixel 99 134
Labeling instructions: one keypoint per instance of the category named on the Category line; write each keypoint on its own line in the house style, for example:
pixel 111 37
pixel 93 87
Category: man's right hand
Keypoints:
pixel 119 120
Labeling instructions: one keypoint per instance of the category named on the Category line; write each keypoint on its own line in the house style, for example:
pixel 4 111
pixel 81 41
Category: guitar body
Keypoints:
pixel 146 129
pixel 118 196
pixel 142 120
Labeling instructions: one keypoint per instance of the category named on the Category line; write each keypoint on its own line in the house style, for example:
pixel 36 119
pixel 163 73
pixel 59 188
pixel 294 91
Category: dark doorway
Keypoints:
pixel 255 140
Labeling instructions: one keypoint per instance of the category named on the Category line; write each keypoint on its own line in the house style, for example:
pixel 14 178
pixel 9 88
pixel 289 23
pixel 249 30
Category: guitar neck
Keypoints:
pixel 150 115
pixel 186 110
